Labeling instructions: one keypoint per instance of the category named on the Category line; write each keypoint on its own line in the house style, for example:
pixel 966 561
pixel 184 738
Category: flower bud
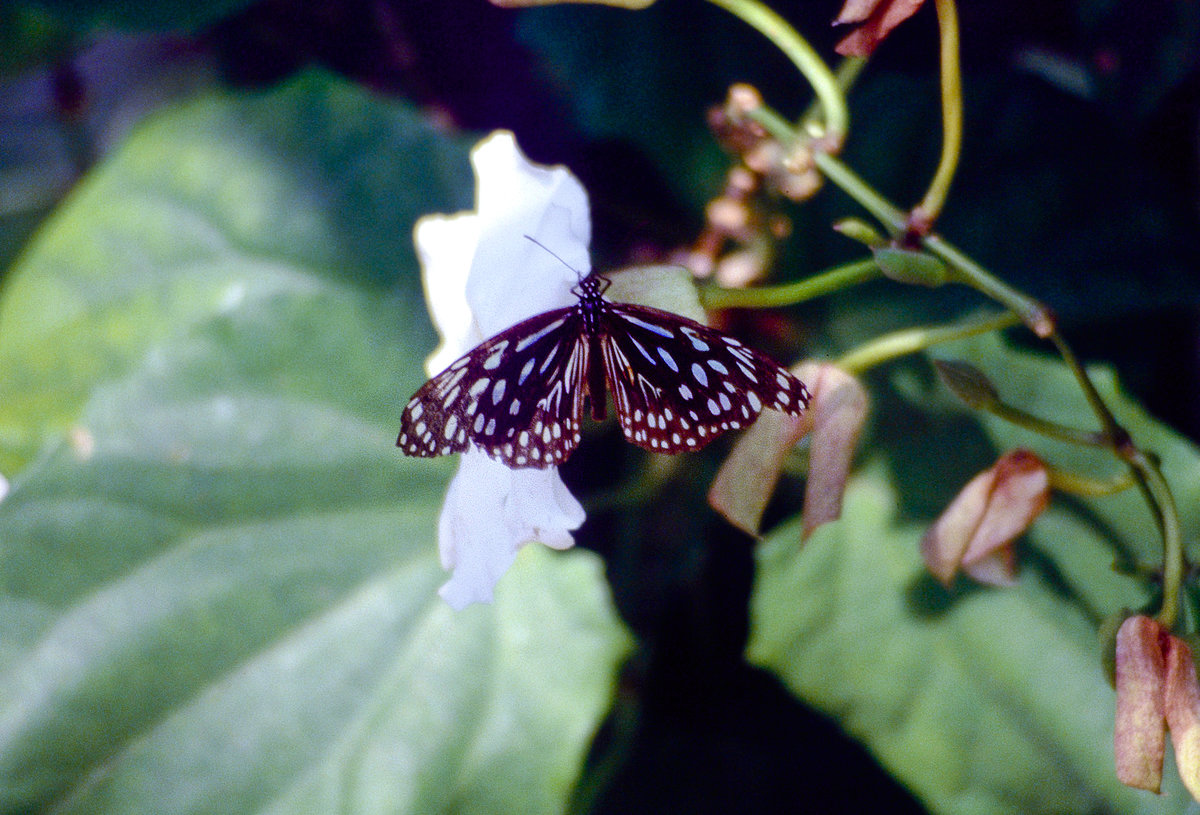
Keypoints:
pixel 975 532
pixel 834 417
pixel 1139 734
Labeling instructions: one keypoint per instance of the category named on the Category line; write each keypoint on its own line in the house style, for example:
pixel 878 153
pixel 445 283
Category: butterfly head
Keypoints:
pixel 591 287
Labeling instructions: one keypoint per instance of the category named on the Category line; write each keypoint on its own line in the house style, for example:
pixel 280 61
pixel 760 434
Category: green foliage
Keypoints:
pixel 217 575
pixel 141 15
pixel 981 700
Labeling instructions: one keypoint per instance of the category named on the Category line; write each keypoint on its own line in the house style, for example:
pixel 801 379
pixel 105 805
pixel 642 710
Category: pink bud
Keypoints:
pixel 1183 712
pixel 975 532
pixel 834 419
pixel 1139 735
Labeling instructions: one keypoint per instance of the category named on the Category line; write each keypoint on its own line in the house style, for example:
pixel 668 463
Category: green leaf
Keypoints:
pixel 229 202
pixel 980 700
pixel 143 15
pixel 218 590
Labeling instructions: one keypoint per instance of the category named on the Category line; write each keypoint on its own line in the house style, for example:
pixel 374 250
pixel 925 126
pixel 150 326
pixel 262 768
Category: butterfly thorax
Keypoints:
pixel 590 291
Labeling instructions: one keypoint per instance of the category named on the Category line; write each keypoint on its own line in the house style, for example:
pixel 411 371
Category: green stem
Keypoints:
pixel 803 56
pixel 967 271
pixel 1035 315
pixel 841 277
pixel 1112 430
pixel 888 214
pixel 1174 565
pixel 777 127
pixel 931 205
pixel 911 340
pixel 846 73
pixel 1086 487
pixel 1047 428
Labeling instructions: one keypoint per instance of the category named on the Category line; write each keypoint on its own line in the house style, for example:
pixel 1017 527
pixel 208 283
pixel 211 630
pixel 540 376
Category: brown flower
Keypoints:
pixel 975 532
pixel 875 19
pixel 834 418
pixel 1157 691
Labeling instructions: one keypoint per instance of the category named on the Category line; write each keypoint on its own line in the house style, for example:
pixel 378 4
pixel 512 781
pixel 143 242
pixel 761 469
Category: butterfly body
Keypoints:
pixel 520 396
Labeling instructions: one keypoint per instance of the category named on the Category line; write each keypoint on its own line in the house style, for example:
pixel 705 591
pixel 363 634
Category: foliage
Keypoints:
pixel 218 577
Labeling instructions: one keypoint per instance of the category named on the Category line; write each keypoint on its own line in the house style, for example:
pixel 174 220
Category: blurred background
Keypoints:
pixel 1079 183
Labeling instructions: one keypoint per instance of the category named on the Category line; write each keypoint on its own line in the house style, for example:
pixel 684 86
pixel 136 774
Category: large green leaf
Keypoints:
pixel 981 700
pixel 217 575
pixel 227 204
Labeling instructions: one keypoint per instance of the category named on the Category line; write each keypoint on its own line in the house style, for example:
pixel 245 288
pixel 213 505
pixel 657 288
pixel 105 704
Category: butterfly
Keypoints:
pixel 521 395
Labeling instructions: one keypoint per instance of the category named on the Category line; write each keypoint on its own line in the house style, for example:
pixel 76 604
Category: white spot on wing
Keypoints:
pixel 537 335
pixel 657 329
pixel 526 371
pixel 667 358
pixel 493 360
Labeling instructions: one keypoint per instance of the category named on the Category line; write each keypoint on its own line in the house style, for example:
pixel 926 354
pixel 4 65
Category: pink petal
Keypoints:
pixel 985 517
pixel 1139 735
pixel 1183 712
pixel 748 476
pixel 839 409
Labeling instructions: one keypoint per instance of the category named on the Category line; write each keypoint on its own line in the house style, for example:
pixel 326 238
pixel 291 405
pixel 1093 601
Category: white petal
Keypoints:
pixel 512 278
pixel 446 248
pixel 482 276
pixel 489 513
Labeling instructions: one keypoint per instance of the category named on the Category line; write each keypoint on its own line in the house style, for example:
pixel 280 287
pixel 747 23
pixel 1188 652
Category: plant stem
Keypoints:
pixel 803 56
pixel 1167 516
pixel 912 340
pixel 1112 430
pixel 1035 315
pixel 1076 484
pixel 967 271
pixel 1047 428
pixel 888 214
pixel 1039 319
pixel 846 73
pixel 931 205
pixel 841 277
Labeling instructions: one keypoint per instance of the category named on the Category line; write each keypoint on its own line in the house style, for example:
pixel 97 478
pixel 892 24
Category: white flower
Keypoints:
pixel 481 276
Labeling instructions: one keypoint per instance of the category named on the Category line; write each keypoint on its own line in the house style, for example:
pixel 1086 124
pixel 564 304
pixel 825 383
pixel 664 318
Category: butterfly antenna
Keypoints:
pixel 555 256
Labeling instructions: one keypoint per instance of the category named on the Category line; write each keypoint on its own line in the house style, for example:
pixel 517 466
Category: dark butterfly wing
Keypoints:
pixel 517 396
pixel 677 384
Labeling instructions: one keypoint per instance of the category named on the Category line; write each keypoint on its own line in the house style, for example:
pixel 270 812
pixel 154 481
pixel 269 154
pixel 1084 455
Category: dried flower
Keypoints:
pixel 1157 691
pixel 834 418
pixel 975 532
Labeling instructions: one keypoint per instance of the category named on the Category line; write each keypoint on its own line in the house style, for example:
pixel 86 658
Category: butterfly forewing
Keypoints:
pixel 516 396
pixel 678 384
